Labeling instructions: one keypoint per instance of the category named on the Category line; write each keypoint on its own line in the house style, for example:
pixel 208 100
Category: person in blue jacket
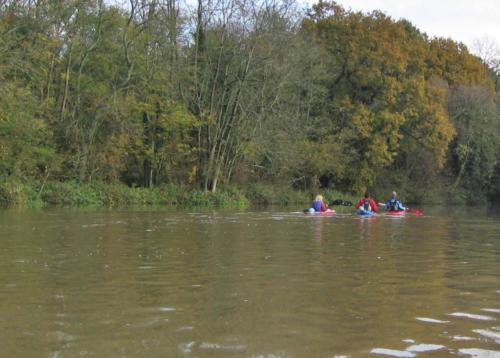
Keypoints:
pixel 393 204
pixel 318 204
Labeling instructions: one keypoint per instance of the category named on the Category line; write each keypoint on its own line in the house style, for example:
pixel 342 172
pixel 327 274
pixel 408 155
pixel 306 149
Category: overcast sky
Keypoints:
pixel 462 20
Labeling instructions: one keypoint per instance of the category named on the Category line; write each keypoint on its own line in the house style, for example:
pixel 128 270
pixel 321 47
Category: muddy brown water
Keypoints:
pixel 263 283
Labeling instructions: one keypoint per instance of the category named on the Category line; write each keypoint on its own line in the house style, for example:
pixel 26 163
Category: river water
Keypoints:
pixel 265 283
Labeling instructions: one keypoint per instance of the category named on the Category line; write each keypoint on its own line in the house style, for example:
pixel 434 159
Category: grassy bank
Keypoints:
pixel 72 193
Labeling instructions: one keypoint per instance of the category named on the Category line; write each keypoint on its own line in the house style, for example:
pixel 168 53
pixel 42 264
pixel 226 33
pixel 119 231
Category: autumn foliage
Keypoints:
pixel 235 93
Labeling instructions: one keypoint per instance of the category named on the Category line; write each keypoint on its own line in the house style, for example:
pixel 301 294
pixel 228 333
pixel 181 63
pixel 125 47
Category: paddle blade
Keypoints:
pixel 417 212
pixel 341 202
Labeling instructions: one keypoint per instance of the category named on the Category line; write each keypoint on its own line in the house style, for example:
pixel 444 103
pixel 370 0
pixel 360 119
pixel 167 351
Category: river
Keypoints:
pixel 269 283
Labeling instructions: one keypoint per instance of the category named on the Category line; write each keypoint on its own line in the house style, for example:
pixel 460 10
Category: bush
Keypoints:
pixel 262 194
pixel 15 192
pixel 72 193
pixel 230 197
pixel 113 195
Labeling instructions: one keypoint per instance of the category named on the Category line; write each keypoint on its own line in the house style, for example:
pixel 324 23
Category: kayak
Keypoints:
pixel 396 213
pixel 311 211
pixel 364 212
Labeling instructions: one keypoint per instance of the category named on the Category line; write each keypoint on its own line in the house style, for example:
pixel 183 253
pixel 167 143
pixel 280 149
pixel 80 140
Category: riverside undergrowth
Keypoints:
pixel 99 194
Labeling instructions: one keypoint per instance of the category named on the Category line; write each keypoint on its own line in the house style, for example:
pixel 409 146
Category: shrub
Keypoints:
pixel 15 192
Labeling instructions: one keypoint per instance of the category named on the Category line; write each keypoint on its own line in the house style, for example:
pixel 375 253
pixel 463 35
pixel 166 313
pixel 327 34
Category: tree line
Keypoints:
pixel 222 92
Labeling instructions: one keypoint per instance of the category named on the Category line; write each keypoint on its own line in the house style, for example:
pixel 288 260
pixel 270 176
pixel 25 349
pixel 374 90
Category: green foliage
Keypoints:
pixel 494 191
pixel 23 151
pixel 268 194
pixel 119 195
pixel 108 105
pixel 474 153
pixel 71 193
pixel 16 193
pixel 231 198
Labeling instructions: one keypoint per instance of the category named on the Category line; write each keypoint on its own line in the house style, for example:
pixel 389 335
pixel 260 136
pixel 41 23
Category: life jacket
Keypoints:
pixel 366 205
pixel 316 205
pixel 394 205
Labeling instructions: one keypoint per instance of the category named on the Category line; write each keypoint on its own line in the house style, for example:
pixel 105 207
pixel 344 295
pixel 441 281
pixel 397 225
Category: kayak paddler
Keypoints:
pixel 318 203
pixel 367 203
pixel 393 204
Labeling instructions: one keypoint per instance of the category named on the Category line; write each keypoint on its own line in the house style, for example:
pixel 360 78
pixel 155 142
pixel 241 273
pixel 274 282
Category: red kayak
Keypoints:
pixel 416 212
pixel 396 213
pixel 327 212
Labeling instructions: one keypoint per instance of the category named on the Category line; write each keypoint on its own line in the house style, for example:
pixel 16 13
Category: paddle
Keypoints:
pixel 341 202
pixel 416 211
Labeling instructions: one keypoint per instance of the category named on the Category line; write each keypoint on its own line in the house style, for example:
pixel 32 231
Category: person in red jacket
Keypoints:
pixel 367 203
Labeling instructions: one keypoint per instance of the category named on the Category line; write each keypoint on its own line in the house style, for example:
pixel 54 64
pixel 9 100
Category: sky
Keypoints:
pixel 462 20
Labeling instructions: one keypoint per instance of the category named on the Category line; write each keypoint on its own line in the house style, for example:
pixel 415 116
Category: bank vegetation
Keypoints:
pixel 158 102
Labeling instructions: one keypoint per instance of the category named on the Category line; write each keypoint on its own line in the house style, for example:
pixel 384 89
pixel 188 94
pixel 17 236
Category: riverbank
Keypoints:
pixel 72 193
pixel 99 194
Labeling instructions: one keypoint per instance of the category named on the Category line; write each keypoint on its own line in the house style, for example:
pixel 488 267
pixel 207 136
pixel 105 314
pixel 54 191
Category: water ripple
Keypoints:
pixel 480 353
pixel 431 320
pixel 472 316
pixel 488 334
pixel 392 352
pixel 424 348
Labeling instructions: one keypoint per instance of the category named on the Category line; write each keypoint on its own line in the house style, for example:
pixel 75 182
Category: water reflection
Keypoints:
pixel 367 226
pixel 317 224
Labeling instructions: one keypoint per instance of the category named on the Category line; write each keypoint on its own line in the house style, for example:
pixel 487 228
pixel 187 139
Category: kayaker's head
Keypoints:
pixel 367 195
pixel 394 195
pixel 319 197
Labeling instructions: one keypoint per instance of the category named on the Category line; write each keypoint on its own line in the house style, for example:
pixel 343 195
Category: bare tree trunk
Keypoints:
pixel 228 125
pixel 66 84
pixel 463 164
pixel 151 168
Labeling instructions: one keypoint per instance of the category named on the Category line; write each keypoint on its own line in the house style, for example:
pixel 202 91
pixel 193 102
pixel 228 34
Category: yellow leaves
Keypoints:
pixel 362 120
pixel 166 113
pixel 192 174
pixel 390 122
pixel 428 125
pixel 384 140
pixel 324 157
pixel 178 117
pixel 392 90
pixel 453 62
pixel 378 134
pixel 379 153
pixel 365 177
pixel 381 87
